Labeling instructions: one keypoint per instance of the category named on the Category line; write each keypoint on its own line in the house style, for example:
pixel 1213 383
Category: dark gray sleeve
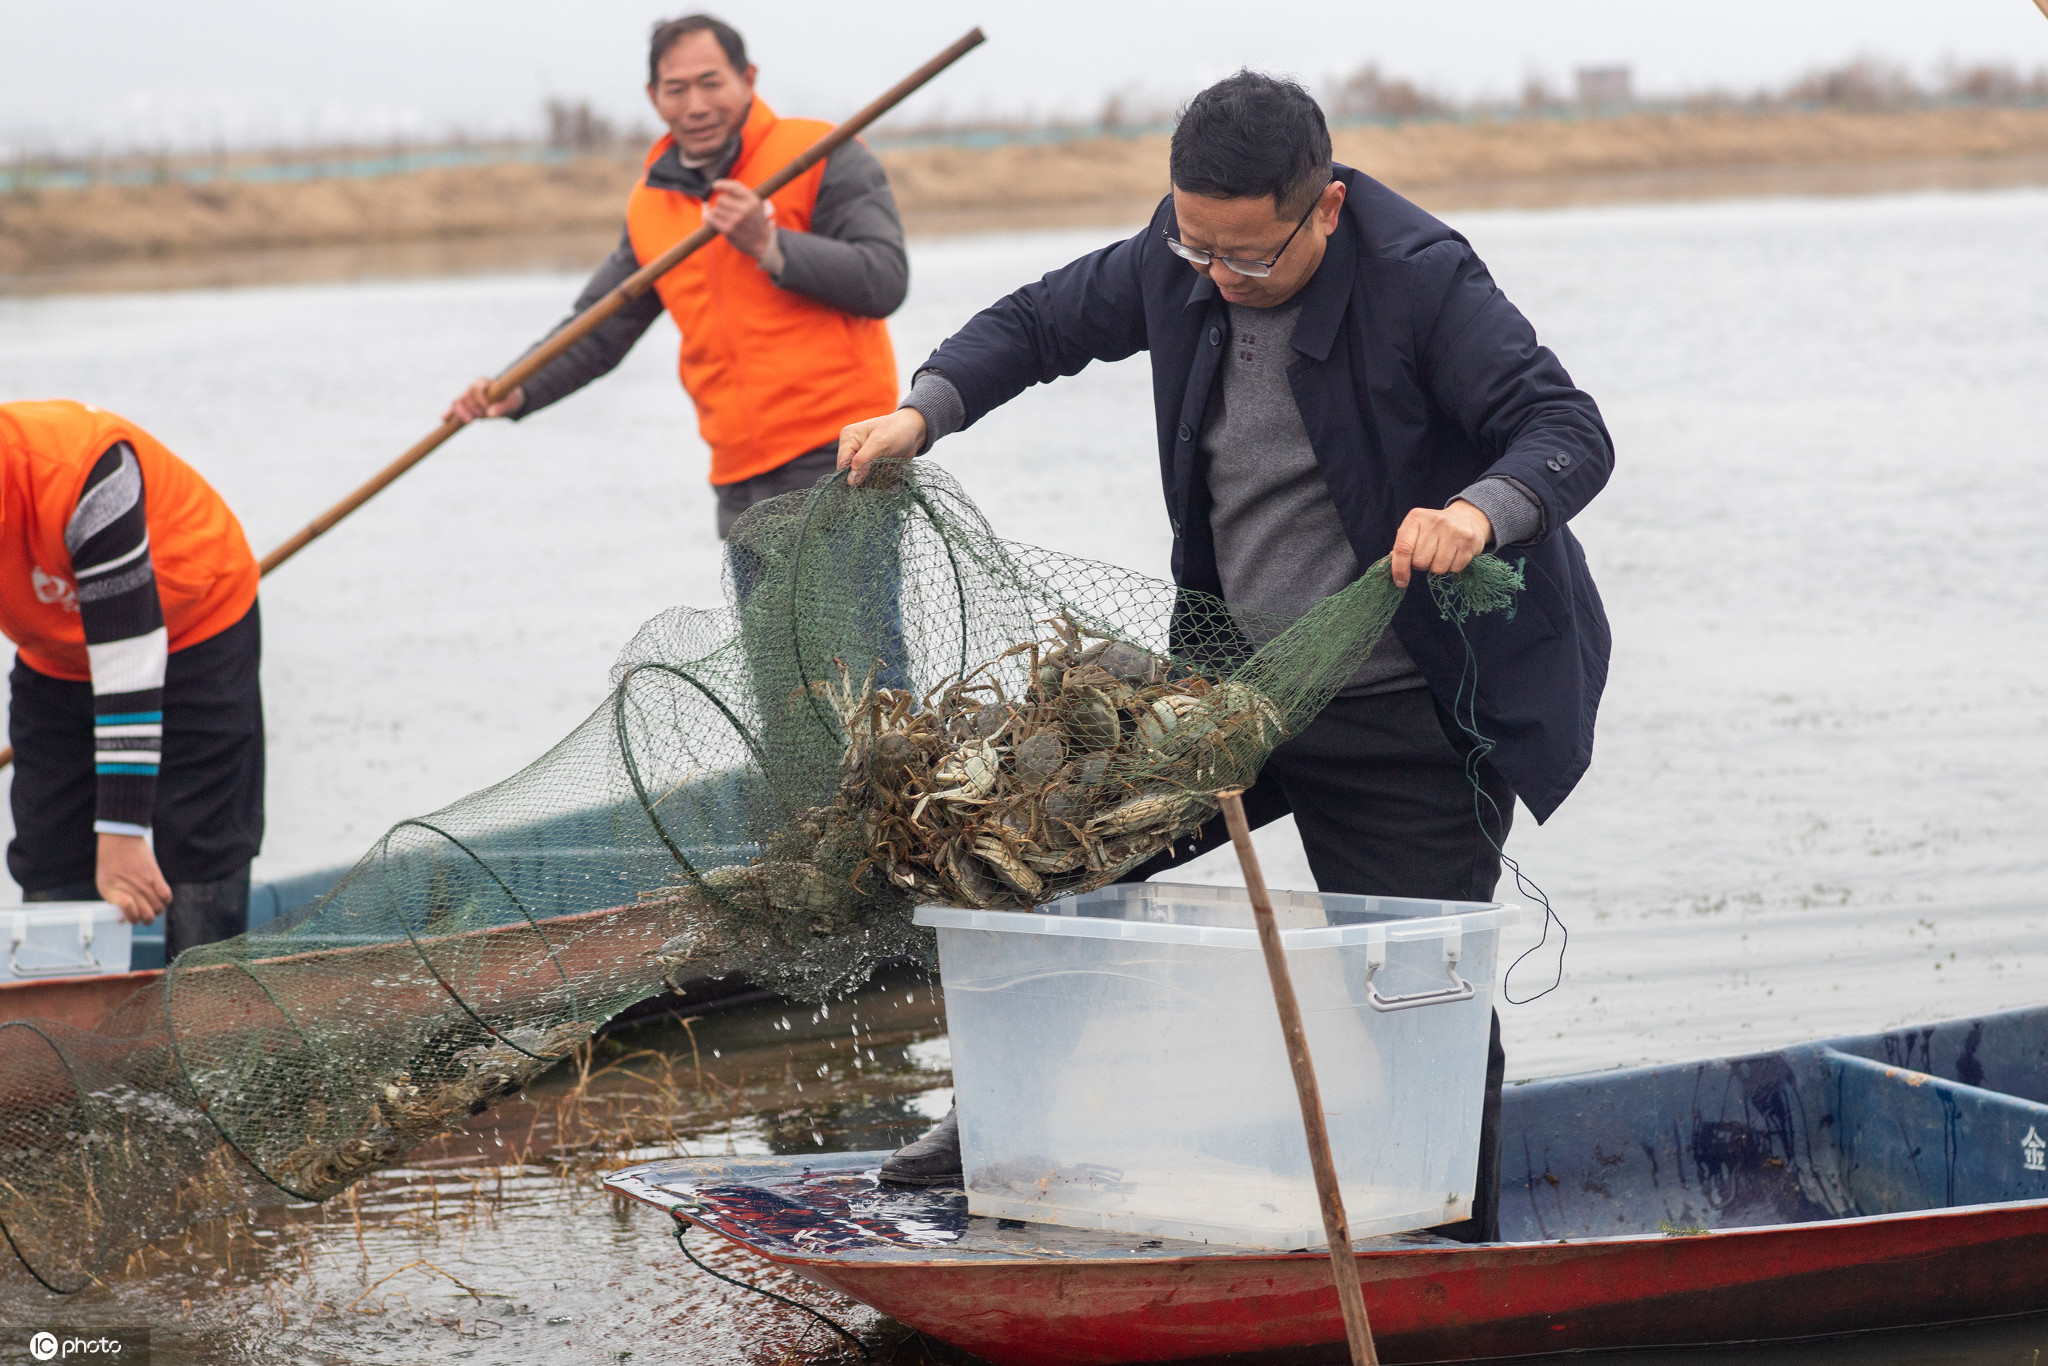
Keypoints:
pixel 1514 511
pixel 852 258
pixel 598 354
pixel 938 402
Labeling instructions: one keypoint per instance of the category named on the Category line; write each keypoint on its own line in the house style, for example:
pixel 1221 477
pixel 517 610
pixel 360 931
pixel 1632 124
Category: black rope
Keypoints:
pixel 683 1228
pixel 1465 711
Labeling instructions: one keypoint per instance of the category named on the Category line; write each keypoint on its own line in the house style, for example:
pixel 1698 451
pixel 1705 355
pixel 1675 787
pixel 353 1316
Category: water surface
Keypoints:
pixel 1815 805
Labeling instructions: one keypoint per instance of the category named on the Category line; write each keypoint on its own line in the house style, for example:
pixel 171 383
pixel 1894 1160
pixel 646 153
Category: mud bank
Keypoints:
pixel 1525 163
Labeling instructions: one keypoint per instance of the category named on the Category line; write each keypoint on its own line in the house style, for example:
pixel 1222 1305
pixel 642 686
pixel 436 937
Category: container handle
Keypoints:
pixel 87 962
pixel 1376 958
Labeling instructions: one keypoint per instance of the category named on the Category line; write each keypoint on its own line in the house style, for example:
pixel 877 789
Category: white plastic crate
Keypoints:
pixel 1118 1062
pixel 63 939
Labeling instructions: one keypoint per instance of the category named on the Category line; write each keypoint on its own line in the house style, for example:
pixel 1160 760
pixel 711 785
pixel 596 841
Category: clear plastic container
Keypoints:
pixel 63 939
pixel 1118 1062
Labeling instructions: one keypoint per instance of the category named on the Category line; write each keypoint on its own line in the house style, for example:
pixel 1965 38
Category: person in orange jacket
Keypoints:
pixel 134 709
pixel 783 340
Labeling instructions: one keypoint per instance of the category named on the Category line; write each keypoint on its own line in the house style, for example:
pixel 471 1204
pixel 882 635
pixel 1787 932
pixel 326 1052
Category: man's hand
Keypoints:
pixel 896 436
pixel 127 875
pixel 746 219
pixel 474 402
pixel 1431 541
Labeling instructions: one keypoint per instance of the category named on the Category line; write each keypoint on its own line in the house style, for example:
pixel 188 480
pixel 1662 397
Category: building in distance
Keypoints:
pixel 1605 87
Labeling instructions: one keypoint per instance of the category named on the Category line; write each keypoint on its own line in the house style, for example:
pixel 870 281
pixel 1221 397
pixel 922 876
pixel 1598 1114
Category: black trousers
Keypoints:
pixel 207 823
pixel 801 473
pixel 1377 788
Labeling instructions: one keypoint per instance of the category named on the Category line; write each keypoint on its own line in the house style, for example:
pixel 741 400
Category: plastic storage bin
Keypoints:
pixel 63 939
pixel 1118 1062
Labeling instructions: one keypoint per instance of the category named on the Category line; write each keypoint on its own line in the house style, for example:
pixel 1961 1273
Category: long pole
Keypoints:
pixel 586 322
pixel 1343 1263
pixel 638 283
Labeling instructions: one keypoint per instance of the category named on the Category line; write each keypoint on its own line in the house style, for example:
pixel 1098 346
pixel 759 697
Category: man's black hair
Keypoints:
pixel 1252 135
pixel 669 32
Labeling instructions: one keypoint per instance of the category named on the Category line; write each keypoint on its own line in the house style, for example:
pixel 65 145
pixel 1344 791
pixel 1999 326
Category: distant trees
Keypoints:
pixel 1862 83
pixel 1872 83
pixel 576 127
pixel 1987 84
pixel 1865 83
pixel 1367 93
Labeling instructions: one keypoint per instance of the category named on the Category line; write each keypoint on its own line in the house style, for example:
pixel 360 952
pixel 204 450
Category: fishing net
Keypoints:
pixel 896 706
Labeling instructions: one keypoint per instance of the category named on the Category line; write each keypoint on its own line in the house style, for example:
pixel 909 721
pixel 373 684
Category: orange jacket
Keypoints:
pixel 205 575
pixel 773 374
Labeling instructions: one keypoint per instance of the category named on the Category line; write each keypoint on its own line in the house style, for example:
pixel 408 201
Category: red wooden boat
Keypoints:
pixel 1884 1181
pixel 85 1001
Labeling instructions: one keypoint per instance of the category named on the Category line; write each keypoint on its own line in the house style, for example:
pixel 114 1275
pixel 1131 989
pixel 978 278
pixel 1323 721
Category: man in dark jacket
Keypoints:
pixel 1336 378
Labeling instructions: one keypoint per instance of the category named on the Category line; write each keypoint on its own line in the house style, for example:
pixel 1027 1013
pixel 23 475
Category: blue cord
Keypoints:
pixel 1465 711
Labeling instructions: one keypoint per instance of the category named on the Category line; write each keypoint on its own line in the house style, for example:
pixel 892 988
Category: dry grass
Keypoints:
pixel 1447 164
pixel 408 1254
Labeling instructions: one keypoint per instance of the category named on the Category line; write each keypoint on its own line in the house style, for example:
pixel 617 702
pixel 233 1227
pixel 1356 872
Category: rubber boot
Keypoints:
pixel 206 912
pixel 1484 1225
pixel 933 1160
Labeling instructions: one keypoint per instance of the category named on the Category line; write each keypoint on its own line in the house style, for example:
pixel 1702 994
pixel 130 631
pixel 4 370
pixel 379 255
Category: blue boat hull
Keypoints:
pixel 1881 1181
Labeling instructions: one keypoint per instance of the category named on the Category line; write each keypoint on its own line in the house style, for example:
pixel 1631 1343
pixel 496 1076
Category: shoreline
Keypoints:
pixel 519 217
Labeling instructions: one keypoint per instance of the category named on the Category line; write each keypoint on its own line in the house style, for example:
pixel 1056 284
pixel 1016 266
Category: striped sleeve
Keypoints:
pixel 125 639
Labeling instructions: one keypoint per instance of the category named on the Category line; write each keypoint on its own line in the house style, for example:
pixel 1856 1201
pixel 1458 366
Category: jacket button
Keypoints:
pixel 1215 336
pixel 1563 460
pixel 1552 462
pixel 1187 433
pixel 1176 527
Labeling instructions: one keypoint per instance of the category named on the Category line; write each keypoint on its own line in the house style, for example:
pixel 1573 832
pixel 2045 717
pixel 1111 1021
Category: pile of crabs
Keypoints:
pixel 976 797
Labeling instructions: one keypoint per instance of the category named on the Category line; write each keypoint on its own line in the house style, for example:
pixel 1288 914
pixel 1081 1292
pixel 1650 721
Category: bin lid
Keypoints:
pixel 60 912
pixel 1183 913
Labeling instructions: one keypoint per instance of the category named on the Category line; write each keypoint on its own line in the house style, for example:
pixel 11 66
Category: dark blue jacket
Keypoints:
pixel 1415 376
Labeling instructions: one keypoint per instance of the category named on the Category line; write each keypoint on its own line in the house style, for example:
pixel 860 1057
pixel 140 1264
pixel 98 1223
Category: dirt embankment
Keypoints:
pixel 106 222
pixel 1531 163
pixel 1526 163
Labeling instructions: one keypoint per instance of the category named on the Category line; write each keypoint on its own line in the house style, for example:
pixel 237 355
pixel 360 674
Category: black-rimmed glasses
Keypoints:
pixel 1255 269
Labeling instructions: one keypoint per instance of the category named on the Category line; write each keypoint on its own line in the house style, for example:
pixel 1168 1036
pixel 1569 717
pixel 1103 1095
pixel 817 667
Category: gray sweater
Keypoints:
pixel 1280 545
pixel 852 259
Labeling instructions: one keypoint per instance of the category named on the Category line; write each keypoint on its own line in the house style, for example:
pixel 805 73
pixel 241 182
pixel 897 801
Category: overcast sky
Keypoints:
pixel 129 72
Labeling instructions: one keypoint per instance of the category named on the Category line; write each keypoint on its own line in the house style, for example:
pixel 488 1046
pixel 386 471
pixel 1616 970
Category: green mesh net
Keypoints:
pixel 896 707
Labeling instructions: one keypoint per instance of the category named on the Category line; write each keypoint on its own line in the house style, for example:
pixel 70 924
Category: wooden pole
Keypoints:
pixel 1343 1263
pixel 634 286
pixel 587 321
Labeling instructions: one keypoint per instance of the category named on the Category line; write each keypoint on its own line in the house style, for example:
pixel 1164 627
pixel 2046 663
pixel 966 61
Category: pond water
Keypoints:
pixel 1814 809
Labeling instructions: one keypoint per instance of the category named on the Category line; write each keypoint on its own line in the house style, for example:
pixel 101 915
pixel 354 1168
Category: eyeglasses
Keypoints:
pixel 1255 269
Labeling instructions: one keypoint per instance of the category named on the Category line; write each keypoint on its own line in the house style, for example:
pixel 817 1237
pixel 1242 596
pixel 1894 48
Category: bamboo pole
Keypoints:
pixel 1343 1263
pixel 638 283
pixel 587 321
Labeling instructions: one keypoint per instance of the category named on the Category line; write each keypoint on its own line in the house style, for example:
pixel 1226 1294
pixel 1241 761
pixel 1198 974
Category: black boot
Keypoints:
pixel 206 912
pixel 1484 1225
pixel 933 1160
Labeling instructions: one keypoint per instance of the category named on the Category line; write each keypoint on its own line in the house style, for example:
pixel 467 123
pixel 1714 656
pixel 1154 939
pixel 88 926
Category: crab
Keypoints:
pixel 970 772
pixel 985 795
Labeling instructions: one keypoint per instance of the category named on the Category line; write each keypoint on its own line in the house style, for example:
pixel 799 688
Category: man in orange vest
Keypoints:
pixel 781 316
pixel 134 707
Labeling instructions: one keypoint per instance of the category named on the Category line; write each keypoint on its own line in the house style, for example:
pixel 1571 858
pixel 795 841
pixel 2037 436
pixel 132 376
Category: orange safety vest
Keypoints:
pixel 773 374
pixel 205 575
